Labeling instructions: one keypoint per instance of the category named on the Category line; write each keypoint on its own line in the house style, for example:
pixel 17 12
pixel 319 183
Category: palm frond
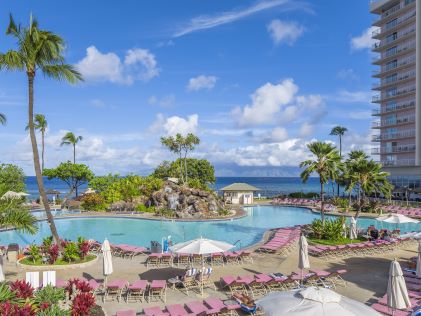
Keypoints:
pixel 20 219
pixel 12 60
pixel 62 72
pixel 3 119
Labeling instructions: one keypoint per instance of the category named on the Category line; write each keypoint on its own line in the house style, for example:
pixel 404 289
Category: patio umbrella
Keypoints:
pixel 353 229
pixel 89 191
pixel 396 219
pixel 303 261
pixel 397 294
pixel 201 246
pixel 107 266
pixel 2 278
pixel 418 271
pixel 312 301
pixel 10 195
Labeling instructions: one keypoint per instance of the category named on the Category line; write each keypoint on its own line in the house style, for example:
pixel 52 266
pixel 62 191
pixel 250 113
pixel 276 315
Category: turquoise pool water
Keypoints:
pixel 247 230
pixel 56 212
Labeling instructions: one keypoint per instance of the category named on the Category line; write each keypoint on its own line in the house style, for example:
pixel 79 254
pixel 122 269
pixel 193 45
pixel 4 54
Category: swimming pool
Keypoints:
pixel 39 214
pixel 245 231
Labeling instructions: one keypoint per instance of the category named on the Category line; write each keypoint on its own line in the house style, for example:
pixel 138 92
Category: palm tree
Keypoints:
pixel 71 139
pixel 40 123
pixel 326 163
pixel 339 131
pixel 3 119
pixel 38 51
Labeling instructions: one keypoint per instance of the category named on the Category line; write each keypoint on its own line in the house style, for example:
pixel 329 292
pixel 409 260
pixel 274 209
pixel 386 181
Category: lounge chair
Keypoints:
pixel 48 278
pixel 177 310
pixel 189 282
pixel 166 260
pixel 114 290
pixel 129 312
pixel 136 291
pixel 386 310
pixel 203 279
pixel 217 304
pixel 32 278
pixel 217 259
pixel 96 286
pixel 245 257
pixel 255 286
pixel 153 260
pixel 154 311
pixel 183 259
pixel 198 308
pixel 158 290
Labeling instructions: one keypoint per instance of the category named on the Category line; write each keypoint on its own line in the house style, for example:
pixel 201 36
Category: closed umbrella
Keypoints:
pixel 303 261
pixel 312 301
pixel 2 278
pixel 418 271
pixel 397 294
pixel 107 266
pixel 10 195
pixel 353 229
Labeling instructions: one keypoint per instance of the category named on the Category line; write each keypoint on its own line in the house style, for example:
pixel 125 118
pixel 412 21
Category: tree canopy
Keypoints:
pixel 12 178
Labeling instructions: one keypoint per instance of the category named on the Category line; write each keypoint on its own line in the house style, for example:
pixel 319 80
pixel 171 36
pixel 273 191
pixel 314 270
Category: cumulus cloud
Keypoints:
pixel 347 74
pixel 201 82
pixel 175 124
pixel 165 101
pixel 284 32
pixel 365 40
pixel 138 64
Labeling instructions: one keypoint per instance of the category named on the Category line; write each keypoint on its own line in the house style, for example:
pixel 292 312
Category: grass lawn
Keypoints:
pixel 343 241
pixel 59 262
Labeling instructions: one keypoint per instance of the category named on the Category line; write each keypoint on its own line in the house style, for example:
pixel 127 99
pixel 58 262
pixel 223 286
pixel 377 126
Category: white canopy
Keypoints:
pixel 397 294
pixel 201 246
pixel 353 229
pixel 396 219
pixel 107 266
pixel 303 261
pixel 89 191
pixel 312 301
pixel 13 195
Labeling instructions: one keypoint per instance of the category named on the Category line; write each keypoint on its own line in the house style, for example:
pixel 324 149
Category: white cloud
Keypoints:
pixel 201 82
pixel 175 124
pixel 207 22
pixel 284 32
pixel 306 129
pixel 345 96
pixel 347 74
pixel 365 40
pixel 138 64
pixel 166 101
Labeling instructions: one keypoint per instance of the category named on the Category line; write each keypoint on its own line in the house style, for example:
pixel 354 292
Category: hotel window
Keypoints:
pixel 391 65
pixel 391 51
pixel 390 38
pixel 390 119
pixel 391 92
pixel 390 106
pixel 391 24
pixel 391 78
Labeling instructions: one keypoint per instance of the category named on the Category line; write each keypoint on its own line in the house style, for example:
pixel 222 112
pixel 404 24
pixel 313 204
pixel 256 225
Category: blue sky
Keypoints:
pixel 256 80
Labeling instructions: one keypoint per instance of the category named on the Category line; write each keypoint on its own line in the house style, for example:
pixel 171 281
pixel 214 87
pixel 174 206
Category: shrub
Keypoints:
pixel 53 253
pixel 331 230
pixel 49 295
pixel 82 304
pixel 93 202
pixel 83 248
pixel 53 310
pixel 223 212
pixel 21 289
pixel 47 242
pixel 34 252
pixel 340 202
pixel 81 286
pixel 71 252
pixel 144 209
pixel 302 195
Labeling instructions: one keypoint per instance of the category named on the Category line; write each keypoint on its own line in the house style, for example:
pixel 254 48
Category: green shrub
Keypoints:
pixel 144 209
pixel 340 202
pixel 34 252
pixel 302 195
pixel 93 202
pixel 71 252
pixel 333 229
pixel 50 295
pixel 223 212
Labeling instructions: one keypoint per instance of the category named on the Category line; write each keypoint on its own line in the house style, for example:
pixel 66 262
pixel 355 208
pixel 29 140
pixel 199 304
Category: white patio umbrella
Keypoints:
pixel 353 229
pixel 10 195
pixel 107 267
pixel 397 294
pixel 418 271
pixel 312 301
pixel 2 278
pixel 396 219
pixel 89 191
pixel 201 246
pixel 303 261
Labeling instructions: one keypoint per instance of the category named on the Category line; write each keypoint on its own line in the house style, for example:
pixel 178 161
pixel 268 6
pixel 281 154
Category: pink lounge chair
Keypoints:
pixel 216 304
pixel 154 311
pixel 61 283
pixel 158 289
pixel 126 313
pixel 198 308
pixel 177 310
pixel 114 289
pixel 226 281
pixel 136 290
pixel 388 311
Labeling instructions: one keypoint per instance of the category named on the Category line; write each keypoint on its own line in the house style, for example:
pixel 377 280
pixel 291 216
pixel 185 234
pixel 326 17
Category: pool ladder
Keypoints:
pixel 238 242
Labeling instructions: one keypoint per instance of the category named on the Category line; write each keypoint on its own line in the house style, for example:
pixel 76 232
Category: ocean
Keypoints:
pixel 270 186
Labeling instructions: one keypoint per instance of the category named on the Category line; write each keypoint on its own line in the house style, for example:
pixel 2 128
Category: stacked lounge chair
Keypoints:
pixel 283 240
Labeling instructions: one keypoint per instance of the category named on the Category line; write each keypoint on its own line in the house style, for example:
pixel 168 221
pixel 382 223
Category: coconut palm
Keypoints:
pixel 40 123
pixel 339 131
pixel 367 177
pixel 71 139
pixel 3 119
pixel 326 163
pixel 38 51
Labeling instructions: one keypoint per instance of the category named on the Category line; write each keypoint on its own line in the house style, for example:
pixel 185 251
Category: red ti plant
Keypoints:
pixel 82 304
pixel 84 248
pixel 22 289
pixel 81 286
pixel 53 252
pixel 9 309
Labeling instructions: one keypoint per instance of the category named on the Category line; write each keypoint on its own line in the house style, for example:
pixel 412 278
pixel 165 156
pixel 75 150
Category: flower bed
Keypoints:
pixel 59 262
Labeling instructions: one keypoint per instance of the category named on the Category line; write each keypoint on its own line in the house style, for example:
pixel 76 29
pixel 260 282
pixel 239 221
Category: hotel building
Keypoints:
pixel 397 89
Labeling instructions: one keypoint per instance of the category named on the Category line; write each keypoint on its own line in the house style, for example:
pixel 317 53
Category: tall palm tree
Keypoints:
pixel 354 158
pixel 38 51
pixel 3 119
pixel 71 139
pixel 326 163
pixel 40 123
pixel 339 131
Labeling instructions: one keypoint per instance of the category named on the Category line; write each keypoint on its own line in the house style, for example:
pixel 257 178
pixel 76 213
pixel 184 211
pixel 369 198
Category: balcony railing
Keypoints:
pixel 400 77
pixel 399 106
pixel 398 121
pixel 390 136
pixel 399 21
pixel 393 9
pixel 388 68
pixel 399 92
pixel 393 149
pixel 398 162
pixel 399 49
pixel 400 35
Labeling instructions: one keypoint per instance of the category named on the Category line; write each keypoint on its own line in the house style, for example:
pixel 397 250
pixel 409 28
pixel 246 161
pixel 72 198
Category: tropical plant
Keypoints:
pixel 317 228
pixel 331 230
pixel 102 183
pixel 47 242
pixel 339 131
pixel 22 289
pixel 82 304
pixel 83 246
pixel 34 252
pixel 53 310
pixel 181 145
pixel 40 123
pixel 12 178
pixel 3 119
pixel 74 175
pixel 37 51
pixel 14 214
pixel 71 252
pixel 71 139
pixel 79 285
pixel 93 202
pixel 6 295
pixel 326 163
pixel 50 295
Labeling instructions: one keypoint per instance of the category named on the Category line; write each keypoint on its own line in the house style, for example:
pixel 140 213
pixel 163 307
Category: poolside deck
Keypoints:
pixel 367 276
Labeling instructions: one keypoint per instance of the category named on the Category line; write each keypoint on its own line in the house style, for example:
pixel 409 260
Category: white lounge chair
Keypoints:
pixel 49 278
pixel 33 279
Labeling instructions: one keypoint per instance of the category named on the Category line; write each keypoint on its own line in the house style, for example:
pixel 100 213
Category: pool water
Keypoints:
pixel 243 232
pixel 56 212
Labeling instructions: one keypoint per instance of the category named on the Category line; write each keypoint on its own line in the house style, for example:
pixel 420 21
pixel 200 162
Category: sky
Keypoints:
pixel 255 80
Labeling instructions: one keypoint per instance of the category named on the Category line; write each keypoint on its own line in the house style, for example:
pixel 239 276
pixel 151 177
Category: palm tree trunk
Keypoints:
pixel 322 203
pixel 181 168
pixel 340 154
pixel 37 167
pixel 185 166
pixel 74 153
pixel 42 150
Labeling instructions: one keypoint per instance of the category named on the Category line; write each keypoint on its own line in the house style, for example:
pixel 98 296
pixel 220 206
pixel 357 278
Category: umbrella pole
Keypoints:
pixel 302 276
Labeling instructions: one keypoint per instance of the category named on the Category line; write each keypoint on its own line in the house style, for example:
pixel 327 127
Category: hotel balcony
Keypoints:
pixel 396 122
pixel 389 28
pixel 399 93
pixel 387 70
pixel 391 13
pixel 400 149
pixel 397 163
pixel 385 44
pixel 399 79
pixel 390 109
pixel 400 49
pixel 391 136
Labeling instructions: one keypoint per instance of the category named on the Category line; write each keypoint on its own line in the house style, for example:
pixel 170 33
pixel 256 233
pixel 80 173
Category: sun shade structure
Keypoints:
pixel 396 219
pixel 201 246
pixel 312 301
pixel 10 195
pixel 52 192
pixel 89 191
pixel 397 293
pixel 303 261
pixel 107 267
pixel 353 229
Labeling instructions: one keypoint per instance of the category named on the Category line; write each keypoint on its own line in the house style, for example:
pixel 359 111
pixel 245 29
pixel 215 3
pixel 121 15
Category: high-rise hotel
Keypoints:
pixel 398 89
